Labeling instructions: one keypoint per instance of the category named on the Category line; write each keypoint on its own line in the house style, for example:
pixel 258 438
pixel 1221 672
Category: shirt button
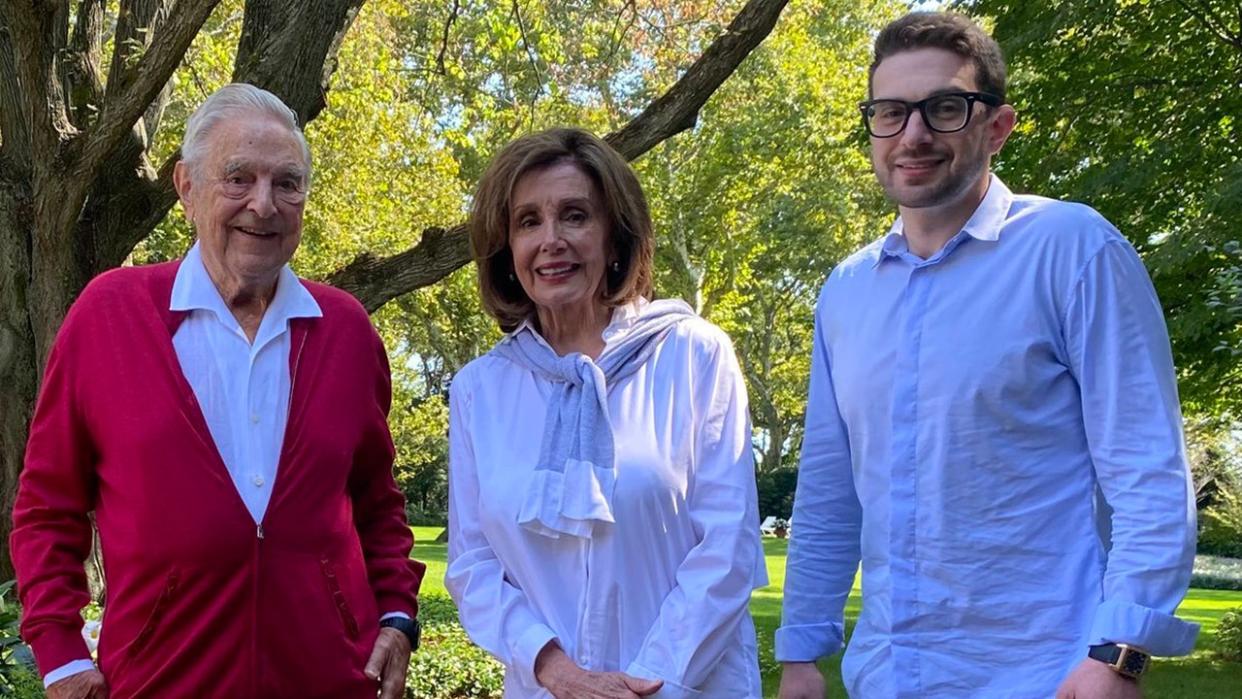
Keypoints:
pixel 254 418
pixel 258 481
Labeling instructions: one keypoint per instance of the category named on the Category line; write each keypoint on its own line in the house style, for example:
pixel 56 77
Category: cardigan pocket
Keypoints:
pixel 338 598
pixel 153 618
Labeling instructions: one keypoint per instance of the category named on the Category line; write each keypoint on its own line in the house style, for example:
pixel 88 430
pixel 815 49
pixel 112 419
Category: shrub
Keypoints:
pixel 447 665
pixel 17 675
pixel 1229 635
pixel 1217 573
pixel 1220 526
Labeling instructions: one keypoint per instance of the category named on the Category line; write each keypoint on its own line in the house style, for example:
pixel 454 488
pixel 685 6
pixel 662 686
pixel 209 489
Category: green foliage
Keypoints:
pixel 448 665
pixel 1229 635
pixel 1131 107
pixel 1220 526
pixel 17 676
pixel 776 492
pixel 755 206
pixel 1217 573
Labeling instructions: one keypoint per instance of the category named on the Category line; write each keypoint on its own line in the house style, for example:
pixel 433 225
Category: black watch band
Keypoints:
pixel 410 627
pixel 1124 659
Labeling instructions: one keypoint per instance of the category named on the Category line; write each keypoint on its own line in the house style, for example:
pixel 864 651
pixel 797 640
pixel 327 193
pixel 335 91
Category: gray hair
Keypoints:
pixel 230 101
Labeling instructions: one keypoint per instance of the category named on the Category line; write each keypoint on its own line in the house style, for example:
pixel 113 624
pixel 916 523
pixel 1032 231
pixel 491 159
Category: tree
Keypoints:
pixel 80 186
pixel 755 207
pixel 1131 106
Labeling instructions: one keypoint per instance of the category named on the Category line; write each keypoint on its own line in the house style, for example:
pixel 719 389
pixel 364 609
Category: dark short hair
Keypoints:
pixel 943 30
pixel 630 231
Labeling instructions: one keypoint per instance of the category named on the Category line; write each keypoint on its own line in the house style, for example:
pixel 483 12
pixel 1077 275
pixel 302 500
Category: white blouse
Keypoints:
pixel 661 594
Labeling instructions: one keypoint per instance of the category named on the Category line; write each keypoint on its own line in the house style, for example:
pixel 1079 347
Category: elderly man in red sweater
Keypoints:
pixel 226 423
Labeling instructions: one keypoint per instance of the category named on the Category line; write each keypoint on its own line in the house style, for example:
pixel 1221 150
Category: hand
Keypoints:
pixel 1093 679
pixel 565 680
pixel 84 685
pixel 390 660
pixel 801 681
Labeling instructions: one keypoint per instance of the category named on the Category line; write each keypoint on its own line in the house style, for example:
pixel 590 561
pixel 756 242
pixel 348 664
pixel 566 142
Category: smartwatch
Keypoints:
pixel 410 627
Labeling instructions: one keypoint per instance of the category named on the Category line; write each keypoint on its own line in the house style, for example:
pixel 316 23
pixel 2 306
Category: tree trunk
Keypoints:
pixel 18 368
pixel 77 192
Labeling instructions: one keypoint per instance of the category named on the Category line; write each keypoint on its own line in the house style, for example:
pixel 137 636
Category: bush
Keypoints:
pixel 1217 573
pixel 1229 635
pixel 17 676
pixel 1220 526
pixel 418 517
pixel 447 665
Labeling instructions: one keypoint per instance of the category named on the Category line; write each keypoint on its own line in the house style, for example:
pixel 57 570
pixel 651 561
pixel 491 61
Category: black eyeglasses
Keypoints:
pixel 943 113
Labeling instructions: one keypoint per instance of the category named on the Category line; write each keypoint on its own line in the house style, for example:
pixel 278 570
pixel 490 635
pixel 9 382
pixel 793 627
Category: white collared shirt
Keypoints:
pixel 663 592
pixel 242 387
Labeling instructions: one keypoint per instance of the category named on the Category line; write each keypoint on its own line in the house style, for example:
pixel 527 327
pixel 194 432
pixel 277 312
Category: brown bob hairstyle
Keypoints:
pixel 630 229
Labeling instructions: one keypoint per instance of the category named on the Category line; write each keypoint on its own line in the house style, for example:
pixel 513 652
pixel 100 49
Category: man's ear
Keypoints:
pixel 182 183
pixel 1000 126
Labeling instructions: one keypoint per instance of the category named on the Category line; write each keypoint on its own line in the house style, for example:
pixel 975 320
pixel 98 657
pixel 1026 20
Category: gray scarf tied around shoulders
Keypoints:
pixel 571 489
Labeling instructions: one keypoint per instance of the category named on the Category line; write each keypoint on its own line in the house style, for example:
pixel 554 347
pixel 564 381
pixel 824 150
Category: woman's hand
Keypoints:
pixel 565 680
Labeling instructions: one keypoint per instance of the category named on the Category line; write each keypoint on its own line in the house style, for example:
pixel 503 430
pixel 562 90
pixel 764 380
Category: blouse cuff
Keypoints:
pixel 526 649
pixel 806 643
pixel 1153 631
pixel 670 690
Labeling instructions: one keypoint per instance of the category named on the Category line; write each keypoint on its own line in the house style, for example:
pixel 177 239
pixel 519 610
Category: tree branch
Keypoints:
pixel 291 49
pixel 14 133
pixel 376 281
pixel 124 104
pixel 283 39
pixel 444 38
pixel 134 33
pixel 530 50
pixel 85 80
pixel 32 33
pixel 1220 31
pixel 678 109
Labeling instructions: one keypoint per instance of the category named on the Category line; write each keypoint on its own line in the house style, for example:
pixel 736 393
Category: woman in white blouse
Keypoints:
pixel 603 527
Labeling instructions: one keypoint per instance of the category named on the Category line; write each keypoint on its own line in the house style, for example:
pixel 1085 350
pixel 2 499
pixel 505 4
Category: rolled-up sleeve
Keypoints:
pixel 1118 349
pixel 825 547
pixel 495 613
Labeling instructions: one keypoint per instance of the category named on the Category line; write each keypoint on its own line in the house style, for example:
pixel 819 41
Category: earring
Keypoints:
pixel 512 277
pixel 615 266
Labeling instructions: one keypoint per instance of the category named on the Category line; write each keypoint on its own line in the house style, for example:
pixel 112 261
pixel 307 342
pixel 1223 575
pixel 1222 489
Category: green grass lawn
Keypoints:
pixel 1198 676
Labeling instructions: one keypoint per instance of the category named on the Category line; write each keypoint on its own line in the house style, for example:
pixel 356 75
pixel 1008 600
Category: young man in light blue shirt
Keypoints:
pixel 978 376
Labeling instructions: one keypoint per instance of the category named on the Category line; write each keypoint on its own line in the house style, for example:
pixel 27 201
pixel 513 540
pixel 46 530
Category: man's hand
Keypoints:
pixel 84 685
pixel 390 660
pixel 1093 679
pixel 801 681
pixel 565 680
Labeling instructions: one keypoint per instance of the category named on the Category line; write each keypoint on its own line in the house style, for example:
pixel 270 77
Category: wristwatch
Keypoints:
pixel 1124 659
pixel 410 627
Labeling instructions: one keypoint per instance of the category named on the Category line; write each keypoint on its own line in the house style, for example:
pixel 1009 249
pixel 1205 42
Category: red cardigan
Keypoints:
pixel 201 602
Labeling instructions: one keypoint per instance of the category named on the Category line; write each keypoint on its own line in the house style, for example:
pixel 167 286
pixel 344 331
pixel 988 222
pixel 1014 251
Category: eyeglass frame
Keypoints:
pixel 985 98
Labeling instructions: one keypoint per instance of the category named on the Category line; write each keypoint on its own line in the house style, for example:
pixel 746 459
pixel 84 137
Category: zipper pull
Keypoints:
pixel 259 531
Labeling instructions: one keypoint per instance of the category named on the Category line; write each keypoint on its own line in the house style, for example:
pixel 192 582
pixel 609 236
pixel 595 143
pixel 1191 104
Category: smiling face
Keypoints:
pixel 920 168
pixel 246 200
pixel 558 234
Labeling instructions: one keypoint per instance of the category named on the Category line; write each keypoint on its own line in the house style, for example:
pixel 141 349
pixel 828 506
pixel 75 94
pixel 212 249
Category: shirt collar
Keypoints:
pixel 984 224
pixel 622 319
pixel 193 290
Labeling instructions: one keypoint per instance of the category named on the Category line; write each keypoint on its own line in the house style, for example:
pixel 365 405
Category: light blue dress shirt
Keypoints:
pixel 964 411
